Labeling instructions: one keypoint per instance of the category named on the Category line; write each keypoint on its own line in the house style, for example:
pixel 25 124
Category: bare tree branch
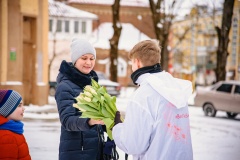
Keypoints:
pixel 182 37
pixel 162 23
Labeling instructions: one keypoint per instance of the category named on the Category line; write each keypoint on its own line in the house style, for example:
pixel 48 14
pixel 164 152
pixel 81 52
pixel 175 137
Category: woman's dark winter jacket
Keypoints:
pixel 78 140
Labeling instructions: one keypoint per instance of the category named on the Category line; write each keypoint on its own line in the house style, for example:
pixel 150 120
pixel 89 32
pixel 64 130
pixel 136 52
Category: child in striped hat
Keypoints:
pixel 12 141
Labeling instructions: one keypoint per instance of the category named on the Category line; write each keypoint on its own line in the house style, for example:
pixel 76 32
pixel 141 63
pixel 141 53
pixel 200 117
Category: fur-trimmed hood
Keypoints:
pixel 67 70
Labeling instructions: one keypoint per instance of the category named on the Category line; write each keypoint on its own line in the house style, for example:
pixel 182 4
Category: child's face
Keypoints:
pixel 17 114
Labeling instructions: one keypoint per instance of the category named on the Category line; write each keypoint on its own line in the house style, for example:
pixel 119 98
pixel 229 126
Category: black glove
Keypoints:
pixel 117 118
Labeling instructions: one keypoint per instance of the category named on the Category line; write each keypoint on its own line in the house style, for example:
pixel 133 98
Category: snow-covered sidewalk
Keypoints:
pixel 50 112
pixel 212 137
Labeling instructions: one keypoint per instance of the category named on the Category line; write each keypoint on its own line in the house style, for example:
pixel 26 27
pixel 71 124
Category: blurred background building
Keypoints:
pixel 234 47
pixel 195 53
pixel 194 45
pixel 35 36
pixel 24 48
pixel 65 23
pixel 136 12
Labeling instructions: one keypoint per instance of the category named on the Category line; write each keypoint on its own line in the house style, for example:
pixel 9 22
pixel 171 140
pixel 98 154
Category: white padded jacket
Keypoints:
pixel 156 125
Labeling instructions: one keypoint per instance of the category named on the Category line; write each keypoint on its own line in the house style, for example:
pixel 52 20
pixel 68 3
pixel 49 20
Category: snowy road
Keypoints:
pixel 212 138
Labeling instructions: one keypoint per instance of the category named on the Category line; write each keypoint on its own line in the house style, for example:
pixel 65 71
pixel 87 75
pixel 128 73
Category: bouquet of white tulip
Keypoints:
pixel 96 103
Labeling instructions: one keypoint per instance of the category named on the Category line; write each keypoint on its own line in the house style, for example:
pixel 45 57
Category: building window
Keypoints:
pixel 50 25
pixel 76 27
pixel 66 26
pixel 59 26
pixel 83 27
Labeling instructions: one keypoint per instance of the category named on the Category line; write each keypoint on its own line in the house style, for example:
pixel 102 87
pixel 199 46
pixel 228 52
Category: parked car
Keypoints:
pixel 222 96
pixel 113 88
pixel 52 88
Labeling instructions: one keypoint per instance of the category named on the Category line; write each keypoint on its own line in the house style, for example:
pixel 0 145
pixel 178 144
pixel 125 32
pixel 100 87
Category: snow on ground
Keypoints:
pixel 212 138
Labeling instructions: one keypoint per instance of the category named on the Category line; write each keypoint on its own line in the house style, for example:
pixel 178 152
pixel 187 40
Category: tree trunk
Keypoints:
pixel 223 40
pixel 162 24
pixel 114 41
pixel 156 19
pixel 165 52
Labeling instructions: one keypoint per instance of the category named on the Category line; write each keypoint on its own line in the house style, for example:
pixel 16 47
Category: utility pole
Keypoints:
pixel 194 15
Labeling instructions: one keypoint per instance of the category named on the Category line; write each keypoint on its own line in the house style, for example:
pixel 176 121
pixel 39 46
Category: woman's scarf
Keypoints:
pixel 77 77
pixel 149 69
pixel 14 126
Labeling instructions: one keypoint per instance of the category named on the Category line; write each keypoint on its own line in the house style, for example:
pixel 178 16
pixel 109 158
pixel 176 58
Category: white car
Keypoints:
pixel 222 96
pixel 113 88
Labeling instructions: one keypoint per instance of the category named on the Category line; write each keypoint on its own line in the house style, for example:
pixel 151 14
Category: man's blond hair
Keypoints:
pixel 147 51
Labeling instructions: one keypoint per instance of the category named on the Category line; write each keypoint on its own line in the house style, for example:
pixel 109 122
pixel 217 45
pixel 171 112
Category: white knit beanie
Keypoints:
pixel 80 47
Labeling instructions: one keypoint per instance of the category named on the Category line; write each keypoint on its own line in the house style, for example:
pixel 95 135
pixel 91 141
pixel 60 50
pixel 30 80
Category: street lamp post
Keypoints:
pixel 194 15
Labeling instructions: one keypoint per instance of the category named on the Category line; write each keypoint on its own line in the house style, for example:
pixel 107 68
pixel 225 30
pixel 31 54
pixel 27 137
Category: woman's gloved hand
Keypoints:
pixel 117 118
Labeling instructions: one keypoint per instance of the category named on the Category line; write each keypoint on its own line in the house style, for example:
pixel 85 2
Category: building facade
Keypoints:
pixel 133 17
pixel 24 49
pixel 194 45
pixel 136 12
pixel 130 36
pixel 234 44
pixel 65 23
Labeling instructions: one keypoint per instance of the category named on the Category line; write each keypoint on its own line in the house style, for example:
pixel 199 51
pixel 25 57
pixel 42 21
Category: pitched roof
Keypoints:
pixel 130 36
pixel 60 9
pixel 135 3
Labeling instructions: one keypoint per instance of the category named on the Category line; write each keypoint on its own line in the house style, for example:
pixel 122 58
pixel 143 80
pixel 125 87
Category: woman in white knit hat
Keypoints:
pixel 79 136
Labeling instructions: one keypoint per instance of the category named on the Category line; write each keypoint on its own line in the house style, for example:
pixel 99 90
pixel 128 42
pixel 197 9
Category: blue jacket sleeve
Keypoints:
pixel 69 116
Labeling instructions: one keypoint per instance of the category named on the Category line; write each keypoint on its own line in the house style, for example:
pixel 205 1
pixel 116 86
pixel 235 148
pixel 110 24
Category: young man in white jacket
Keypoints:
pixel 156 125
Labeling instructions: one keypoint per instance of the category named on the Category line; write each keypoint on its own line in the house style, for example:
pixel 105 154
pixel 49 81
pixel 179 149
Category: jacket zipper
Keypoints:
pixel 100 142
pixel 82 141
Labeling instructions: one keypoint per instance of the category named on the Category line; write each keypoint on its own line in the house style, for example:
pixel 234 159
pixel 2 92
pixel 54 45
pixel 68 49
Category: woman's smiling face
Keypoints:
pixel 85 63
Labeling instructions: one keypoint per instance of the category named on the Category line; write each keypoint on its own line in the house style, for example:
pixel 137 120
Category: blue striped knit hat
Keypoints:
pixel 9 100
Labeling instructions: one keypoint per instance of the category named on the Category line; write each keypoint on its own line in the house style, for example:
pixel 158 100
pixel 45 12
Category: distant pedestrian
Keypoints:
pixel 12 141
pixel 79 137
pixel 156 125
